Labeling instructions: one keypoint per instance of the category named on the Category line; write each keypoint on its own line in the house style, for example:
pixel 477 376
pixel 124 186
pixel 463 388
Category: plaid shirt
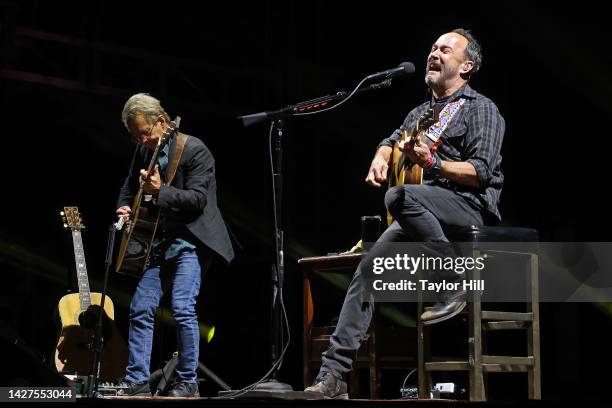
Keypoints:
pixel 474 135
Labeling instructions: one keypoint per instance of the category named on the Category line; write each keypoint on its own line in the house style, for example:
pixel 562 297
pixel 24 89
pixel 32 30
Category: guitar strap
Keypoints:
pixel 435 131
pixel 181 140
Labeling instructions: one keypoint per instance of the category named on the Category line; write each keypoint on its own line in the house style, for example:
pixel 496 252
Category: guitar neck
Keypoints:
pixel 169 133
pixel 152 163
pixel 154 156
pixel 81 268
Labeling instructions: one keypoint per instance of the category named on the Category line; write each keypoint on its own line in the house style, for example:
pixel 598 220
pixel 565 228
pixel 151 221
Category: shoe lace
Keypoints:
pixel 323 377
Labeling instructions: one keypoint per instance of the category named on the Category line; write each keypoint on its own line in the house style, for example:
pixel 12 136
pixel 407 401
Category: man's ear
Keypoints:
pixel 466 67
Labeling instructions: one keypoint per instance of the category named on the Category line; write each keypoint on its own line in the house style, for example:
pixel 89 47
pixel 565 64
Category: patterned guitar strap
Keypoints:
pixel 434 133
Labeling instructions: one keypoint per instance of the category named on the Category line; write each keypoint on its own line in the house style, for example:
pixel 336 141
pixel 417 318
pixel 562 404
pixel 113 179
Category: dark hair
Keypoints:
pixel 473 51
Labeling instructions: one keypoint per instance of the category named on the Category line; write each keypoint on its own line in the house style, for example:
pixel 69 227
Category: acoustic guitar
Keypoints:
pixel 137 238
pixel 401 169
pixel 78 313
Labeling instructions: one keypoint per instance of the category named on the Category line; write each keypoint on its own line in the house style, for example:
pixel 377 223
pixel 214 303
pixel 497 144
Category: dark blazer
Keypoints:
pixel 189 204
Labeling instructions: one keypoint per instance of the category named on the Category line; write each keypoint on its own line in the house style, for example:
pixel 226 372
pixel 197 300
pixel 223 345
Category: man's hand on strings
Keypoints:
pixel 151 184
pixel 416 151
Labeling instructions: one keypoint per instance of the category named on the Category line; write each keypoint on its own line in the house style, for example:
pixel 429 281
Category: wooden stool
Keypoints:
pixel 477 363
pixel 382 347
pixel 316 338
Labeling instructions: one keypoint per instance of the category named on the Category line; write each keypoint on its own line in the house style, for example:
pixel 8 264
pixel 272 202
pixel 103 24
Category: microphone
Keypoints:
pixel 404 68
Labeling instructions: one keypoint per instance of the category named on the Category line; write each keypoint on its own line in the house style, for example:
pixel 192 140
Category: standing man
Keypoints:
pixel 462 185
pixel 190 232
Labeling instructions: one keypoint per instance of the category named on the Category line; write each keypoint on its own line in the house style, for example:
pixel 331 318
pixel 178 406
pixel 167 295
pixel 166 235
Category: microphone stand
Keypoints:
pixel 278 269
pixel 309 106
pixel 98 339
pixel 278 120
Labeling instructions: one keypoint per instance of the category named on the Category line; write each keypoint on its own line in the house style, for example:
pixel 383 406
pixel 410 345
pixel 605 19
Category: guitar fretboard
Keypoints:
pixel 82 279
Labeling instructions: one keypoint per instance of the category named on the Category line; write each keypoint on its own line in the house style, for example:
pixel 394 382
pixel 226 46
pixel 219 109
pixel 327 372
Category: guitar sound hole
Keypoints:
pixel 89 318
pixel 136 249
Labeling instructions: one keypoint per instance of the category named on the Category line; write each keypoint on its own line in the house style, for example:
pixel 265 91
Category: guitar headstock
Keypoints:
pixel 72 218
pixel 426 119
pixel 170 131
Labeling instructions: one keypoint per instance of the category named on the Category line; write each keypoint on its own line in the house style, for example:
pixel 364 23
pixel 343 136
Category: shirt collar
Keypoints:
pixel 466 91
pixel 165 150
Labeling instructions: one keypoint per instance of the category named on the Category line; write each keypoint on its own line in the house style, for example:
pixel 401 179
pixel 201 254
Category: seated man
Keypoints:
pixel 462 185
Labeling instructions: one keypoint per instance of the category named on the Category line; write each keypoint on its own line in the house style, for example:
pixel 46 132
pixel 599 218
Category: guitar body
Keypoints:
pixel 70 309
pixel 137 240
pixel 73 354
pixel 401 169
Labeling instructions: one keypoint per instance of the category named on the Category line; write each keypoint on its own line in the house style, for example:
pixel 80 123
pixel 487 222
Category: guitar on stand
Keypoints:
pixel 137 238
pixel 78 314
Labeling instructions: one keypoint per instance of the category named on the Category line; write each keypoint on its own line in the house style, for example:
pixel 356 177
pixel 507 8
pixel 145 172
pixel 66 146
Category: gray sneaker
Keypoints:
pixel 330 386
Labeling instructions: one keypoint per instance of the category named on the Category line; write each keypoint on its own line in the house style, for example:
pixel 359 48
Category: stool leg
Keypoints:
pixel 423 339
pixel 307 330
pixel 477 392
pixel 374 380
pixel 533 333
pixel 424 376
pixel 353 383
pixel 373 357
pixel 485 376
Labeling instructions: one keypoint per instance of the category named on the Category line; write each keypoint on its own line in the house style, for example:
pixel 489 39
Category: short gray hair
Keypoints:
pixel 145 105
pixel 473 51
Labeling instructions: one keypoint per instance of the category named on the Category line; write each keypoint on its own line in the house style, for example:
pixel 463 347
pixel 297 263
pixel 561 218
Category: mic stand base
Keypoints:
pixel 273 385
pixel 286 395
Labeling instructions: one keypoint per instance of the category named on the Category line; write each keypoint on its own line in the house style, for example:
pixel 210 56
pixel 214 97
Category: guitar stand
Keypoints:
pixel 98 339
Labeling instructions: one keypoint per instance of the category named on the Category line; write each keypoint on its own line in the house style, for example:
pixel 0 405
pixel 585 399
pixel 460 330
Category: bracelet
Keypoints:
pixel 435 167
pixel 428 162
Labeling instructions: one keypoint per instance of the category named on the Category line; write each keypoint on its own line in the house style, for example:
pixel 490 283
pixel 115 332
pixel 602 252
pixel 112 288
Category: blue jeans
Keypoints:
pixel 184 275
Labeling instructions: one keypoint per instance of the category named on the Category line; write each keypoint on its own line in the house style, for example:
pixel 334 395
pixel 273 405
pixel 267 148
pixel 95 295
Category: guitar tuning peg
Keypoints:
pixel 65 225
pixel 62 213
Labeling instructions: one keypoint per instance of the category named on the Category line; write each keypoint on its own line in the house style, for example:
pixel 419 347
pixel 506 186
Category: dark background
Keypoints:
pixel 68 67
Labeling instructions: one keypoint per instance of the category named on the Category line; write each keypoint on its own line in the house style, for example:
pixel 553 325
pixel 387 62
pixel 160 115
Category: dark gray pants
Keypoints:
pixel 420 212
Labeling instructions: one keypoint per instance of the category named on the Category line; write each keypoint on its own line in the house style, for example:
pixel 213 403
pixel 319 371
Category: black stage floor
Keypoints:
pixel 295 403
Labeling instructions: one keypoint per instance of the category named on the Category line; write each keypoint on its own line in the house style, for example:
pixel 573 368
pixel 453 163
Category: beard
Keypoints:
pixel 443 78
pixel 433 79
